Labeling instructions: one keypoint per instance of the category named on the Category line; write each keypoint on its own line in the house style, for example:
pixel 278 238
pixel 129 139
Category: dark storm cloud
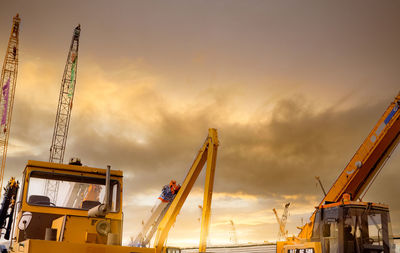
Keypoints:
pixel 277 155
pixel 311 42
pixel 297 143
pixel 272 155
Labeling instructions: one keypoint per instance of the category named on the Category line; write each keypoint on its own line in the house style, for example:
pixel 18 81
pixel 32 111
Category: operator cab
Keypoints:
pixel 59 196
pixel 353 227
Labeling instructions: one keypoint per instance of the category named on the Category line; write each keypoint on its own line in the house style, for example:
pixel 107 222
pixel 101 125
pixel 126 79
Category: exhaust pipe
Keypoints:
pixel 103 209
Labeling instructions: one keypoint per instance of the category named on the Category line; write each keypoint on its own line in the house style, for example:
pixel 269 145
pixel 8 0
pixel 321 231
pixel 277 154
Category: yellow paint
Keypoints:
pixel 59 224
pixel 84 225
pixel 68 167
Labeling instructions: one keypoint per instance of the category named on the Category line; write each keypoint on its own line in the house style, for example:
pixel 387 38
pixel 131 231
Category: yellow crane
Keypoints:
pixel 8 81
pixel 282 222
pixel 340 222
pixel 208 153
pixel 233 234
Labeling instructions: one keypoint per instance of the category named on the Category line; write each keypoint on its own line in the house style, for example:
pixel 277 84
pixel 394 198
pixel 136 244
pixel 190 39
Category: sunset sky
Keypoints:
pixel 293 88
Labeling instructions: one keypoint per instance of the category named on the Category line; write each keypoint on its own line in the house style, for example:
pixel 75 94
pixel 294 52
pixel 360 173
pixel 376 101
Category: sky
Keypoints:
pixel 293 88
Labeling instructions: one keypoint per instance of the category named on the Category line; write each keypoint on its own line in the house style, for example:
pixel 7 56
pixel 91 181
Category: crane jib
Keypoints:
pixel 385 122
pixel 391 114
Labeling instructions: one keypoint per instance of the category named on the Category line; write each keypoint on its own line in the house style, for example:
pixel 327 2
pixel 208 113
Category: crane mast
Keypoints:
pixel 64 108
pixel 8 83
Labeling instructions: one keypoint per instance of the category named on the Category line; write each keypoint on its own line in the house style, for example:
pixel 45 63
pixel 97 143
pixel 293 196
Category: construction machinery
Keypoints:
pixel 282 234
pixel 342 222
pixel 8 82
pixel 95 224
pixel 207 155
pixel 63 116
pixel 65 100
pixel 8 206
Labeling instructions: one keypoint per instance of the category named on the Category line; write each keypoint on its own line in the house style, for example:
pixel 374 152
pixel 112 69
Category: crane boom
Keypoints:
pixel 369 158
pixel 64 108
pixel 366 163
pixel 208 153
pixel 8 83
pixel 341 223
pixel 66 97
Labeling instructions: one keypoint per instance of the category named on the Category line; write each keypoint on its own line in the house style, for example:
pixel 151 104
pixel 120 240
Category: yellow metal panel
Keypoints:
pixel 77 228
pixel 68 167
pixel 208 188
pixel 59 225
pixel 39 246
pixel 306 230
pixel 63 211
pixel 91 237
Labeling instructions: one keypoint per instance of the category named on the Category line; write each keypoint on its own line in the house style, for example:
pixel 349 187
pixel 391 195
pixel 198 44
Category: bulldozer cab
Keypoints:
pixel 58 197
pixel 353 227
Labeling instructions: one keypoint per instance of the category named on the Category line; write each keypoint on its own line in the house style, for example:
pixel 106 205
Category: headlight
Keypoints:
pixel 103 227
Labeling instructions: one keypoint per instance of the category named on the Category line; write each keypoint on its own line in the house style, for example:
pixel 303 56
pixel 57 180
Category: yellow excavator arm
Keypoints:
pixel 208 153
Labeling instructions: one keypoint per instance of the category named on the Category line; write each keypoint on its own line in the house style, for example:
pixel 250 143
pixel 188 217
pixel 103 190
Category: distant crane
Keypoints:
pixel 233 235
pixel 8 83
pixel 201 212
pixel 282 222
pixel 63 115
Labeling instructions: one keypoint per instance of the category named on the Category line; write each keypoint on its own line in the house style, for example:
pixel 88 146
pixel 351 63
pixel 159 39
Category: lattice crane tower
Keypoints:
pixel 63 116
pixel 233 235
pixel 282 222
pixel 8 83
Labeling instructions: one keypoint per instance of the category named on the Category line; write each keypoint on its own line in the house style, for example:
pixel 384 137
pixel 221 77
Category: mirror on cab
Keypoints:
pixel 25 220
